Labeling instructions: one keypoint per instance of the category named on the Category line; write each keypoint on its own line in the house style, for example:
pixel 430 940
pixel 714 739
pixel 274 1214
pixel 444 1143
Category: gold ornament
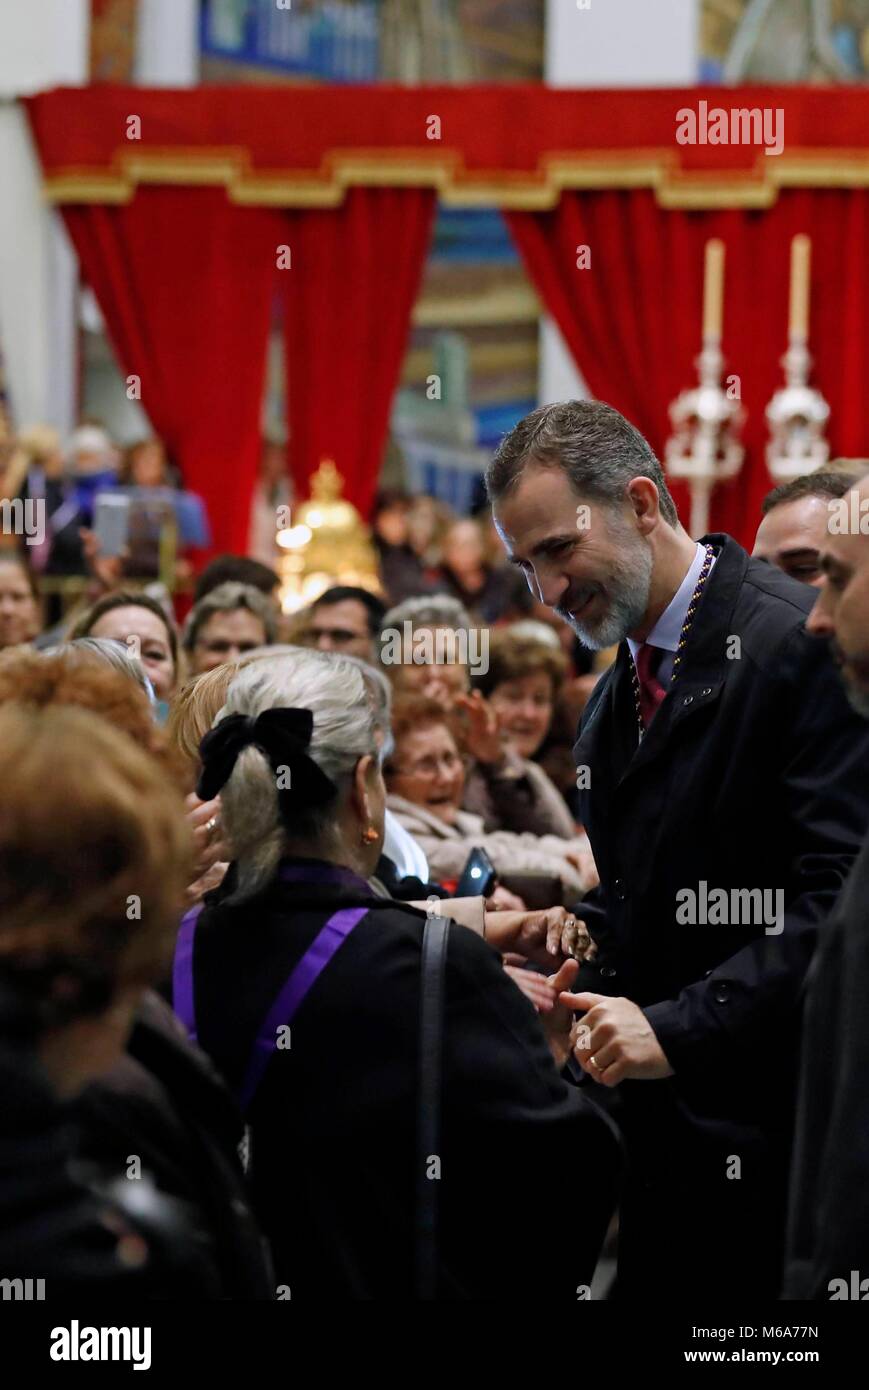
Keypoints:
pixel 328 543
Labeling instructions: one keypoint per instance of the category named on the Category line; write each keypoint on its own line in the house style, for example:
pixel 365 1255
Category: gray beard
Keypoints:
pixel 629 598
pixel 858 699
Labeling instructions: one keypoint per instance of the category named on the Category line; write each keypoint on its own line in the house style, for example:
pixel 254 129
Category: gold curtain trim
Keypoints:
pixel 537 191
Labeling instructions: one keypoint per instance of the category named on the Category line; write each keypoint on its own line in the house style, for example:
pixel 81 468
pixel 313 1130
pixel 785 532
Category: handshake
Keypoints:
pixel 613 1041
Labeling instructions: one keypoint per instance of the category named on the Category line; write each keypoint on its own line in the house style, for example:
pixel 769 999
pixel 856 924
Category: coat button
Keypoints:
pixel 722 993
pixel 708 690
pixel 607 971
pixel 620 889
pixel 689 700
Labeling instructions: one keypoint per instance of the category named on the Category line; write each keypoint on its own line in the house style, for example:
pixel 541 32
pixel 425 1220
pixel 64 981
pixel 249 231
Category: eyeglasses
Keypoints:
pixel 339 636
pixel 430 767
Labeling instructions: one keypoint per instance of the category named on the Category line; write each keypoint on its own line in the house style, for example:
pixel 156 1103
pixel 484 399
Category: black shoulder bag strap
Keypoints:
pixel 431 1027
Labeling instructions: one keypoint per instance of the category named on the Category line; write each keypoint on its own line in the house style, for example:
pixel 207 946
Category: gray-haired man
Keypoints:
pixel 229 621
pixel 719 763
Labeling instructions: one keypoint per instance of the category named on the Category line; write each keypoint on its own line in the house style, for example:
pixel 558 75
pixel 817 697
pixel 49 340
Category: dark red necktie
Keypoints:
pixel 652 691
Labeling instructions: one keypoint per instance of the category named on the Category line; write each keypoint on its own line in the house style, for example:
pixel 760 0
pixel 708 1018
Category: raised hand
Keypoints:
pixel 482 736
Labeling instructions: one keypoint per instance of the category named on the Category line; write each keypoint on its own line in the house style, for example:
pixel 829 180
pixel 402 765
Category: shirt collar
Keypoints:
pixel 668 629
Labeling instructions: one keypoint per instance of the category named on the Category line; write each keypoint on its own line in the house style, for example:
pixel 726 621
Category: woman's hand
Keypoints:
pixel 107 570
pixel 482 736
pixel 535 987
pixel 209 847
pixel 212 878
pixel 548 995
pixel 547 937
pixel 559 1025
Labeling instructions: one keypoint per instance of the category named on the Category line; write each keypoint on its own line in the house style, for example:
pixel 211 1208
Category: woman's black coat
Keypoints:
pixel 528 1165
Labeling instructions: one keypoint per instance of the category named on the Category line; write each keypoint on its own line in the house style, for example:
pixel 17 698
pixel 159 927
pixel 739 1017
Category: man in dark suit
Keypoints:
pixel 828 1229
pixel 724 791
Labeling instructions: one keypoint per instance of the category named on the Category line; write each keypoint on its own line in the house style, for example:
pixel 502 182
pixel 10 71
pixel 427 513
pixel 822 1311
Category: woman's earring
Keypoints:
pixel 369 835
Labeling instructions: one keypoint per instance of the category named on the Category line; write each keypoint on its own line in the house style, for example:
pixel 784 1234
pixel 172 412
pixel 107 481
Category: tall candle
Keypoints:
pixel 801 252
pixel 713 290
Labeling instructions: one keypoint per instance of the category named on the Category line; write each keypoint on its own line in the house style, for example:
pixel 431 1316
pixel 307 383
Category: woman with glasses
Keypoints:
pixel 425 777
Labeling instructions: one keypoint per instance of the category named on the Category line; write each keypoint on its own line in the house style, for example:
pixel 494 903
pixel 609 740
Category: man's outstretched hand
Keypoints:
pixel 615 1040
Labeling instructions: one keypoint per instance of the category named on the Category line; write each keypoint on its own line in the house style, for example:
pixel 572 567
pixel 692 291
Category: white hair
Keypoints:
pixel 428 610
pixel 113 653
pixel 351 719
pixel 530 630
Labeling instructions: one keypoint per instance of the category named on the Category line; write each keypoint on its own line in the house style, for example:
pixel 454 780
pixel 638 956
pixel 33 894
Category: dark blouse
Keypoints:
pixel 332 1122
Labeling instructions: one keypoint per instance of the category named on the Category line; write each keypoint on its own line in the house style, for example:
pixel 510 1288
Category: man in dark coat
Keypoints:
pixel 724 792
pixel 828 1230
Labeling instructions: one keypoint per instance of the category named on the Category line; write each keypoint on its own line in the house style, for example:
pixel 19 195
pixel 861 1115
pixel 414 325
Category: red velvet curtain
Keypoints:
pixel 632 319
pixel 350 289
pixel 185 280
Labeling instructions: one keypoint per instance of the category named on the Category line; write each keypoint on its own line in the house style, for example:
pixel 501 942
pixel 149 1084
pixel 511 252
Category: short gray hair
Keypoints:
pixel 598 449
pixel 429 610
pixel 351 719
pixel 226 598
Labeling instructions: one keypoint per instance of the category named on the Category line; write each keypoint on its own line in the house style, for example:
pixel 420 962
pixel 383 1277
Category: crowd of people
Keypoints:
pixel 225 847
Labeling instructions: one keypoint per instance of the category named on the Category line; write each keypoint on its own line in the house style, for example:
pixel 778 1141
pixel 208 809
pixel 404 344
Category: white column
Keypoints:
pixel 43 43
pixel 610 43
pixel 621 43
pixel 167 43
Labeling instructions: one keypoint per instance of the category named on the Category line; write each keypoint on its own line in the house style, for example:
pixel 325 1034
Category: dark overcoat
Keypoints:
pixel 751 779
pixel 828 1233
pixel 333 1160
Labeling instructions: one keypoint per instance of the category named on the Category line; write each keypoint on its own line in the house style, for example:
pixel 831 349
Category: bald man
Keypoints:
pixel 828 1236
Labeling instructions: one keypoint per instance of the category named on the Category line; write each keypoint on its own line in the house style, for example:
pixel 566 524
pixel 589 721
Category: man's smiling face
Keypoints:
pixel 586 560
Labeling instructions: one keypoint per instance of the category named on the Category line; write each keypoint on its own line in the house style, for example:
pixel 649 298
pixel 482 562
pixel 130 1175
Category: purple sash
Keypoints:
pixel 295 988
pixel 292 995
pixel 182 972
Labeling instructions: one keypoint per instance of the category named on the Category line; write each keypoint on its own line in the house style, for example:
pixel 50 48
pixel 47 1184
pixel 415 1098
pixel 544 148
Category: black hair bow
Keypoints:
pixel 283 735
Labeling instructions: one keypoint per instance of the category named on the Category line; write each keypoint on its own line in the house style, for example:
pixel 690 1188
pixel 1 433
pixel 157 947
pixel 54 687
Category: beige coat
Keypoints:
pixel 447 847
pixel 516 794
